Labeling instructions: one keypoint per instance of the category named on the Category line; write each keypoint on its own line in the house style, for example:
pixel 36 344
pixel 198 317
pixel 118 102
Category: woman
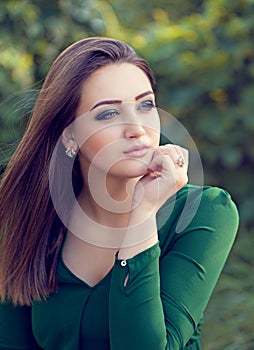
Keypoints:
pixel 83 264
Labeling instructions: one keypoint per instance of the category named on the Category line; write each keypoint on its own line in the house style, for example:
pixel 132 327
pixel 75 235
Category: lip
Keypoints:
pixel 137 151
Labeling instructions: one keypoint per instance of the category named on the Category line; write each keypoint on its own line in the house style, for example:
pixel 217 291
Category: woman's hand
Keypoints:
pixel 166 175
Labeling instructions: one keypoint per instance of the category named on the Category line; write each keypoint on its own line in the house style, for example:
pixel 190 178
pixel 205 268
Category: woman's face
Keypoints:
pixel 117 125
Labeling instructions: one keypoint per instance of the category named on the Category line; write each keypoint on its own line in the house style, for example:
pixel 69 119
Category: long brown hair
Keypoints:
pixel 31 233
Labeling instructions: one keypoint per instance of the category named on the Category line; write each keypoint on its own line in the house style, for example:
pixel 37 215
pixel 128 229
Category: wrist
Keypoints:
pixel 142 214
pixel 129 252
pixel 140 235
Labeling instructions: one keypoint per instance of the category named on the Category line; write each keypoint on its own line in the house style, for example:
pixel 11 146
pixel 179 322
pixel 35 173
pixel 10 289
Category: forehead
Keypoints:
pixel 119 81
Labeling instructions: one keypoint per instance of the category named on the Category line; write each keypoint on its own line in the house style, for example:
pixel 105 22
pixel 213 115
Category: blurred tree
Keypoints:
pixel 204 65
pixel 201 52
pixel 32 35
pixel 147 11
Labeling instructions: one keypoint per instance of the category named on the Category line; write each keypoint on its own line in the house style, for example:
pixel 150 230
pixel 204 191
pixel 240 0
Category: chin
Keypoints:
pixel 137 174
pixel 131 169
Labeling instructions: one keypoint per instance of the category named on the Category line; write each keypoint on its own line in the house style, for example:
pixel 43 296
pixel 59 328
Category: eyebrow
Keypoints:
pixel 108 102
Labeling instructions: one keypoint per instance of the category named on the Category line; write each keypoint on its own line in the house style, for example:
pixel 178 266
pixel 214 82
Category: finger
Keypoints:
pixel 184 153
pixel 179 155
pixel 162 164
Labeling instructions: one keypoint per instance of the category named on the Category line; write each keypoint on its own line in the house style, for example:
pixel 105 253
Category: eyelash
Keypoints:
pixel 145 106
pixel 107 115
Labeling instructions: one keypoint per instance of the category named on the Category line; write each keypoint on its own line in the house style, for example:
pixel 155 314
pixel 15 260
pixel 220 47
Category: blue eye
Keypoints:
pixel 107 115
pixel 146 106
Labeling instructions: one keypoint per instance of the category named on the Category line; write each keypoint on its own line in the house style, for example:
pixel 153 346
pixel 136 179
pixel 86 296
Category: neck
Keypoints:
pixel 108 201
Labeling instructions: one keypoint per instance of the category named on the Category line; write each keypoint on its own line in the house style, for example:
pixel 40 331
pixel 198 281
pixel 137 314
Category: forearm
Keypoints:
pixel 164 179
pixel 141 233
pixel 190 264
pixel 136 313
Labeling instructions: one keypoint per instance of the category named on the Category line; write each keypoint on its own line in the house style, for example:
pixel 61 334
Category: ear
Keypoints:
pixel 68 140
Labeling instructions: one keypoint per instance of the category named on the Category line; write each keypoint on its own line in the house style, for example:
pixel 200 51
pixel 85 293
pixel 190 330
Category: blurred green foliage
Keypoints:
pixel 229 317
pixel 202 54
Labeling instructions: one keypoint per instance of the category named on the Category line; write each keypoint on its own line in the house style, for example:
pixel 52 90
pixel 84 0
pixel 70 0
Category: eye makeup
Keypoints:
pixel 107 115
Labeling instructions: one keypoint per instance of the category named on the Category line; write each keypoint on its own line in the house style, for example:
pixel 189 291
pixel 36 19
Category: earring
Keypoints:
pixel 70 152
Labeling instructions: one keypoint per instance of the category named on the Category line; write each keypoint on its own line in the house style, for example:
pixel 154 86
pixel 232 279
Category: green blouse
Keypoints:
pixel 161 306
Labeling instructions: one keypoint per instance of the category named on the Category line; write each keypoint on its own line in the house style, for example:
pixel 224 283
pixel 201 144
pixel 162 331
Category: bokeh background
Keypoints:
pixel 202 54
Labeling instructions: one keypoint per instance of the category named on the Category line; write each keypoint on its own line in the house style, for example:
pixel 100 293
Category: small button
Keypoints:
pixel 123 263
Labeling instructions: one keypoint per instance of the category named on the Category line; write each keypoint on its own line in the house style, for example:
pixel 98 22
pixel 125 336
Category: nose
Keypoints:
pixel 133 131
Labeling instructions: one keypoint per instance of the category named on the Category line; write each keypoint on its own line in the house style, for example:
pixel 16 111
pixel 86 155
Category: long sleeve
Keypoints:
pixel 170 285
pixel 15 328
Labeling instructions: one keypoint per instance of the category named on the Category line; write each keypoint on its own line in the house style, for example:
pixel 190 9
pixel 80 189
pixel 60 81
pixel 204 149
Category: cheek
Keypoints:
pixel 154 137
pixel 96 143
pixel 91 147
pixel 152 129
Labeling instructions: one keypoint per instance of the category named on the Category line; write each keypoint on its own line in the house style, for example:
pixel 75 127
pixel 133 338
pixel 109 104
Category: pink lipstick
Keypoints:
pixel 137 151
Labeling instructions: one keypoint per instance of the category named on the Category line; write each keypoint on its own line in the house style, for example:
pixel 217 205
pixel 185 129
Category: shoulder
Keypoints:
pixel 213 200
pixel 197 198
pixel 195 206
pixel 207 193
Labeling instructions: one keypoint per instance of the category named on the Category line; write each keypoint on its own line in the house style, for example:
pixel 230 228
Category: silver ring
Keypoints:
pixel 180 162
